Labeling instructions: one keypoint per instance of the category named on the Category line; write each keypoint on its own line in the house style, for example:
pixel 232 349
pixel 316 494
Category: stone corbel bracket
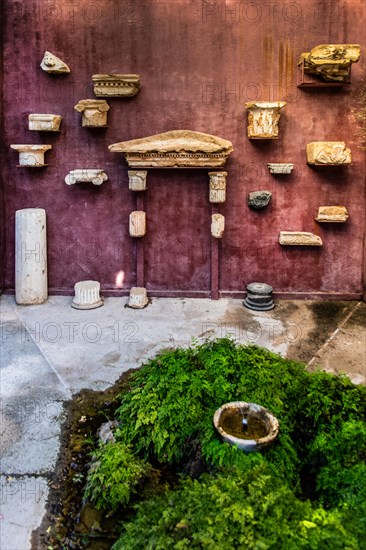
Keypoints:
pixel 94 112
pixel 53 65
pixel 116 85
pixel 299 238
pixel 280 167
pixel 175 149
pixel 263 117
pixel 96 176
pixel 331 62
pixel 328 153
pixel 44 123
pixel 332 214
pixel 31 156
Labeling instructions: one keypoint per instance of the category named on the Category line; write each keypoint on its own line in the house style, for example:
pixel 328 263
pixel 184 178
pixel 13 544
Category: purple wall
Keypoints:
pixel 199 63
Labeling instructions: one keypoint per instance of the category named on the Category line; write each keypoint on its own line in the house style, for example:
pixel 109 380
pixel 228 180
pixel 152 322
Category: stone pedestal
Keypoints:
pixel 217 187
pixel 87 295
pixel 138 297
pixel 30 256
pixel 259 297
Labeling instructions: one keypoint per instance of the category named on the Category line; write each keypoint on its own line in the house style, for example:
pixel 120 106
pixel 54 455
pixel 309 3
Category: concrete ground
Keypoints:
pixel 51 351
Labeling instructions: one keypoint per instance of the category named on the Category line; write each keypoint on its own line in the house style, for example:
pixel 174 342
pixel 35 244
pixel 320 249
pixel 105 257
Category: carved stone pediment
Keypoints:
pixel 328 152
pixel 175 149
pixel 116 85
pixel 331 62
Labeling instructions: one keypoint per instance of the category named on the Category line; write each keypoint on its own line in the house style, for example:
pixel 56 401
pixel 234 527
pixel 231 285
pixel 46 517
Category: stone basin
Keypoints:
pixel 262 427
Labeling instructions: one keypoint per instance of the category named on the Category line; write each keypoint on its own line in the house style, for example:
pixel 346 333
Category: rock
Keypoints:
pixel 105 432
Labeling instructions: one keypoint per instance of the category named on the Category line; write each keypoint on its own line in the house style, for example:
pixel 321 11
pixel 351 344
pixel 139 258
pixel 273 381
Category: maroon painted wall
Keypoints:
pixel 199 62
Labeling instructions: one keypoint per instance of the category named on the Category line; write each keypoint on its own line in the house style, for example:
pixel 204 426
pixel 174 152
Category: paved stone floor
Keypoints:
pixel 51 351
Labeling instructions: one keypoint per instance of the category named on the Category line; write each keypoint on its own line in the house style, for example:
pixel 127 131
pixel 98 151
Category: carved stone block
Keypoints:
pixel 280 167
pixel 87 295
pixel 94 112
pixel 299 238
pixel 53 65
pixel 332 214
pixel 328 152
pixel 259 199
pixel 44 123
pixel 116 85
pixel 138 297
pixel 31 256
pixel 217 187
pixel 31 156
pixel 331 62
pixel 137 223
pixel 137 180
pixel 175 149
pixel 217 225
pixel 263 117
pixel 83 175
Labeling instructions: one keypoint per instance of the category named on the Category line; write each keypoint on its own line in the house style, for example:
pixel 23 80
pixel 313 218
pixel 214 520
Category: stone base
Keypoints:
pixel 259 297
pixel 138 298
pixel 87 306
pixel 258 307
pixel 87 295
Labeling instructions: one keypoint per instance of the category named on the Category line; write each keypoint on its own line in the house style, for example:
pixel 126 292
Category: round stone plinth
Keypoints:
pixel 87 295
pixel 259 297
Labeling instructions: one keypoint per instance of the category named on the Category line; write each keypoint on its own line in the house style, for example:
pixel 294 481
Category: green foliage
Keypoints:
pixel 251 509
pixel 260 500
pixel 114 476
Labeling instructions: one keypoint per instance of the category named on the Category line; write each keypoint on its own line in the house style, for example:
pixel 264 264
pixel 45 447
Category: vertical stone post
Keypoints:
pixel 31 256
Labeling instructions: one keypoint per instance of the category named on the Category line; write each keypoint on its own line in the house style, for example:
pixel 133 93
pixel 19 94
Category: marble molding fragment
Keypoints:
pixel 138 297
pixel 263 118
pixel 175 149
pixel 299 238
pixel 217 187
pixel 94 112
pixel 31 156
pixel 331 62
pixel 257 200
pixel 53 64
pixel 332 214
pixel 280 167
pixel 96 176
pixel 217 225
pixel 328 152
pixel 137 223
pixel 137 180
pixel 116 85
pixel 30 256
pixel 44 122
pixel 87 295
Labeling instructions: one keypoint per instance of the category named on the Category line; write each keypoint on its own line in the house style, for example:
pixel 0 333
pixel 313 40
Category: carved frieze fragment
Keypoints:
pixel 299 238
pixel 31 156
pixel 53 64
pixel 138 297
pixel 94 112
pixel 332 214
pixel 328 152
pixel 217 225
pixel 137 223
pixel 44 122
pixel 137 180
pixel 116 85
pixel 175 149
pixel 263 117
pixel 217 187
pixel 259 199
pixel 280 167
pixel 87 295
pixel 331 62
pixel 96 176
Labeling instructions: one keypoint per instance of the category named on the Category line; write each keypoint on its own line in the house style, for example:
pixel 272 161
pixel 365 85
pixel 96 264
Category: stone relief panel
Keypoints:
pixel 328 152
